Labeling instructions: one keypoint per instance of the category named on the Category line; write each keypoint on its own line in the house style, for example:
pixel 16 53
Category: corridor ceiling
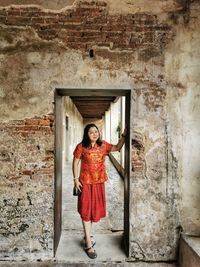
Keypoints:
pixel 93 106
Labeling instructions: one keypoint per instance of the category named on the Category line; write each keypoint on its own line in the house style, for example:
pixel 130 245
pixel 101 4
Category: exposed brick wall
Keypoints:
pixel 138 163
pixel 30 126
pixel 27 161
pixel 88 24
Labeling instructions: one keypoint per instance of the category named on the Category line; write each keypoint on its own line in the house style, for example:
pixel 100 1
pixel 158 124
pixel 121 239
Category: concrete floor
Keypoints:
pixel 86 264
pixel 108 248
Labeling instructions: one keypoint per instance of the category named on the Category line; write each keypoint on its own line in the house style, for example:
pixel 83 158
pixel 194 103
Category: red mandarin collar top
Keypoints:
pixel 92 162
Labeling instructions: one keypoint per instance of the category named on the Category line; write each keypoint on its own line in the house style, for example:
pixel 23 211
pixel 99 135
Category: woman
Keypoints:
pixel 91 200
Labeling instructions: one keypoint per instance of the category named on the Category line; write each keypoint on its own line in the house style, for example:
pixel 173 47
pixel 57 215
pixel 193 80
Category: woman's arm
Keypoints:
pixel 77 183
pixel 119 145
pixel 75 167
pixel 120 142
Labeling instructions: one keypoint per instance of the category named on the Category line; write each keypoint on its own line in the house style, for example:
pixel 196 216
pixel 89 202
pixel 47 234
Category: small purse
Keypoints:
pixel 76 192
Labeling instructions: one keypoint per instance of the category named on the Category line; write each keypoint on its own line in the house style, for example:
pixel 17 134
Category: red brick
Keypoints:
pixel 32 121
pixel 137 168
pixel 52 15
pixel 44 122
pixel 92 3
pixel 45 171
pixel 50 20
pixel 27 128
pixel 44 128
pixel 48 34
pixel 77 45
pixel 26 13
pixel 68 26
pixel 18 20
pixel 15 12
pixel 37 20
pixel 24 134
pixel 27 172
pixel 92 24
pixel 48 158
pixel 138 163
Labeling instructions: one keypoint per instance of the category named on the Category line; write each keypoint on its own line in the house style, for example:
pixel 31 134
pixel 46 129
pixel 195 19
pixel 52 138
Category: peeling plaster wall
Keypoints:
pixel 151 50
pixel 26 187
pixel 183 74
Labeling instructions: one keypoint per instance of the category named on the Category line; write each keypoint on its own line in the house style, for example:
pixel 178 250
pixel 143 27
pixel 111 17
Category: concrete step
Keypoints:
pixel 82 264
pixel 189 251
pixel 70 253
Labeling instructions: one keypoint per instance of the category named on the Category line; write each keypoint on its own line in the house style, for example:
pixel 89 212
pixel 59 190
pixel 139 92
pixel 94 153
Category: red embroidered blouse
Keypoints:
pixel 92 162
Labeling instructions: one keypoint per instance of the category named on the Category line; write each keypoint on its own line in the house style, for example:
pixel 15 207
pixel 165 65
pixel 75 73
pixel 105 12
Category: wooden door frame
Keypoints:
pixel 58 94
pixel 58 144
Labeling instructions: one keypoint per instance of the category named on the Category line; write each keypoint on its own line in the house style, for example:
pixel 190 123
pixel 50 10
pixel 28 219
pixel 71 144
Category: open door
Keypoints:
pixel 58 169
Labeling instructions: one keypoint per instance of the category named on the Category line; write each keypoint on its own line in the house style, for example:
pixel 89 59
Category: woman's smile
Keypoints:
pixel 93 133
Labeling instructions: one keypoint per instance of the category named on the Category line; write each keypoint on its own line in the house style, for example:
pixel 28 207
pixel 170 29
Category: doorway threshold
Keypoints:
pixel 109 247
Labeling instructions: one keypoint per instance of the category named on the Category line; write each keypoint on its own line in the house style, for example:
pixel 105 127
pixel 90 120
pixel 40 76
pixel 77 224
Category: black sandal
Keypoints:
pixel 93 241
pixel 91 254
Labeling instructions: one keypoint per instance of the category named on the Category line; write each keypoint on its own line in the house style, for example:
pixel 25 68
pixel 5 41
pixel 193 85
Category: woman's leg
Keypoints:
pixel 91 229
pixel 87 231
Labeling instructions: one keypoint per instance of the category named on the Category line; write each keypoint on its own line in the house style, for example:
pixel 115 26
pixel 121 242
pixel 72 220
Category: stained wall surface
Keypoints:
pixel 151 49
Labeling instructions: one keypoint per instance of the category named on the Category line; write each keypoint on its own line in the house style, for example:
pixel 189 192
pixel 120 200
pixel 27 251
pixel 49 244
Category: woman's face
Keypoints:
pixel 93 134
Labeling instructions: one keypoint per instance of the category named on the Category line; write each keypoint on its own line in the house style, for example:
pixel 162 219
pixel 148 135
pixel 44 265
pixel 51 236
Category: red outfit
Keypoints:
pixel 92 162
pixel 92 201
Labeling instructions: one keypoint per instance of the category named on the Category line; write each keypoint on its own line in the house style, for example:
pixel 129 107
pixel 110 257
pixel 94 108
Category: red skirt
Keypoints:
pixel 92 202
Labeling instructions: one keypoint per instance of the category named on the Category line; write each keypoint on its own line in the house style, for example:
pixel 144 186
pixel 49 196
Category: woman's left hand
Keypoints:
pixel 125 130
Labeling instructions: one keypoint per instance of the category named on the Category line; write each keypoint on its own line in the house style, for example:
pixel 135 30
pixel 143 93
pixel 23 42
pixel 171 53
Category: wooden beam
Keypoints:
pixel 92 92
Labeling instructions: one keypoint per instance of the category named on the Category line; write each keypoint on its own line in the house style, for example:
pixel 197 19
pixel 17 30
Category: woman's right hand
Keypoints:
pixel 77 184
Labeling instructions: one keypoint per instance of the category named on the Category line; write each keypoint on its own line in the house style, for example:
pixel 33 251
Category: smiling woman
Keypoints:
pixel 90 183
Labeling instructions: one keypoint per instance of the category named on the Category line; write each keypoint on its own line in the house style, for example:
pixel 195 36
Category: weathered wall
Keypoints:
pixel 182 65
pixel 152 49
pixel 26 187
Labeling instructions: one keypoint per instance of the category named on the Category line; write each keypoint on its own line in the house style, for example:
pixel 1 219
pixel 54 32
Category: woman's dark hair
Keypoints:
pixel 86 140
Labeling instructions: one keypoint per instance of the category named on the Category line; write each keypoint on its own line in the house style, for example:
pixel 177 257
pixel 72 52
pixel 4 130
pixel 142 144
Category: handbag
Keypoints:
pixel 76 192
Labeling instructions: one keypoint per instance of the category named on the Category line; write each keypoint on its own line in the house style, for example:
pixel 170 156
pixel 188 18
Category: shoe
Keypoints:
pixel 92 240
pixel 91 254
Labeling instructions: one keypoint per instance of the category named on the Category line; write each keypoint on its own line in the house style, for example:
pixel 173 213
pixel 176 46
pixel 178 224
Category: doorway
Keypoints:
pixel 59 94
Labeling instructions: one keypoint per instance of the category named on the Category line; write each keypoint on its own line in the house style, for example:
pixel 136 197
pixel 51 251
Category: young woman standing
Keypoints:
pixel 91 200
